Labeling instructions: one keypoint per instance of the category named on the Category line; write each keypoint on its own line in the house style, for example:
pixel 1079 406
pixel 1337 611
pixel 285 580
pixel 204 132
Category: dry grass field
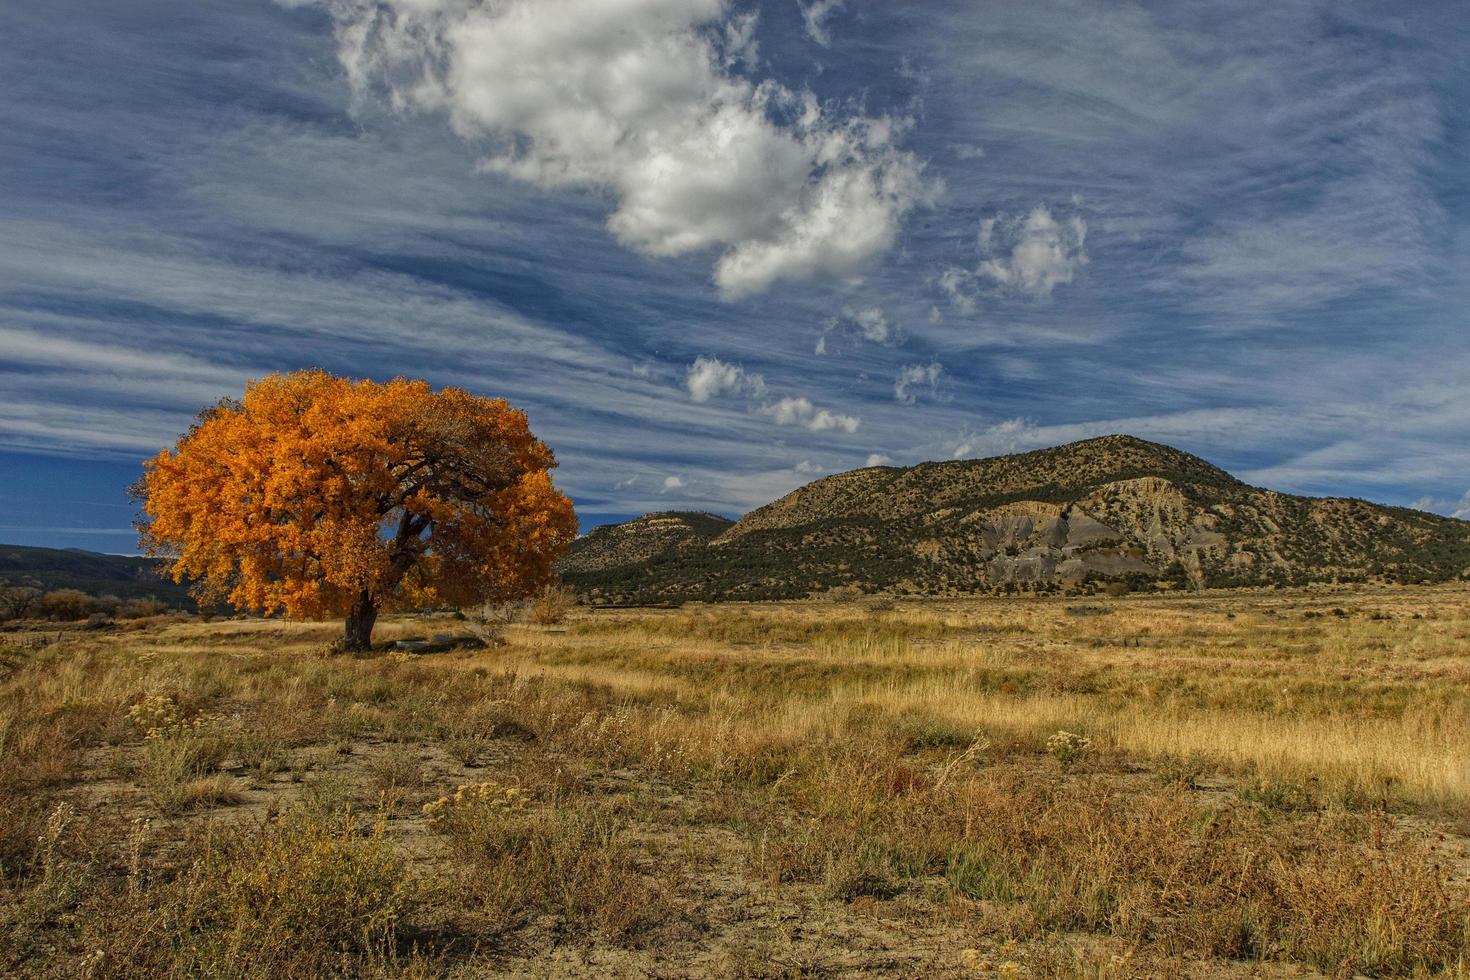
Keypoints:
pixel 1251 784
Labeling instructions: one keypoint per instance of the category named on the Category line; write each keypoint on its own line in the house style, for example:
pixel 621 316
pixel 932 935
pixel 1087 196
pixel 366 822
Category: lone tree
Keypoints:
pixel 323 496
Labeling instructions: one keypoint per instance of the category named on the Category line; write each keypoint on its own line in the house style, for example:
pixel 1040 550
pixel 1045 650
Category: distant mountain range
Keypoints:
pixel 93 573
pixel 1115 508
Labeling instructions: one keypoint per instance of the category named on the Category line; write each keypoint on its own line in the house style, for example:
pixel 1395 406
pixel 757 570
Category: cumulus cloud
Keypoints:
pixel 878 459
pixel 1030 254
pixel 868 323
pixel 710 376
pixel 1043 252
pixel 872 322
pixel 914 375
pixel 641 97
pixel 807 468
pixel 672 483
pixel 814 16
pixel 800 411
pixel 958 285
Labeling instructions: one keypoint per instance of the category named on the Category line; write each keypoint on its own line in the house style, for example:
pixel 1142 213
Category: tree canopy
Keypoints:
pixel 316 495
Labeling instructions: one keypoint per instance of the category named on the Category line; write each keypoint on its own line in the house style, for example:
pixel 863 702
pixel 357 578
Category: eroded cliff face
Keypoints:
pixel 1032 541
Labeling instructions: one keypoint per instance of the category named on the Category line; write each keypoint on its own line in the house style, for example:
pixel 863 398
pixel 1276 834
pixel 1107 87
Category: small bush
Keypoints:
pixel 578 863
pixel 865 873
pixel 397 770
pixel 178 754
pixel 66 604
pixel 301 895
pixel 141 609
pixel 466 749
pixel 1068 747
pixel 551 605
pixel 18 602
pixel 50 887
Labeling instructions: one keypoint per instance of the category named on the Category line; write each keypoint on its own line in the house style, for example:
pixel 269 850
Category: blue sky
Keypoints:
pixel 717 250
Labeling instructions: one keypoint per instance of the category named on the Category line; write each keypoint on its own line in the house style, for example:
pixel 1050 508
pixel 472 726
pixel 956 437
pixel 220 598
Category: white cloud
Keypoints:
pixel 868 323
pixel 1030 254
pixel 672 483
pixel 710 376
pixel 912 375
pixel 872 322
pixel 1044 252
pixel 1459 509
pixel 878 459
pixel 639 97
pixel 807 468
pixel 958 285
pixel 1003 437
pixel 800 411
pixel 814 14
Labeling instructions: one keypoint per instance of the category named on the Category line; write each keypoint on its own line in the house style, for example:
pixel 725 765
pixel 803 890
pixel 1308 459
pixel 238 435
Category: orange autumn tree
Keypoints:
pixel 323 496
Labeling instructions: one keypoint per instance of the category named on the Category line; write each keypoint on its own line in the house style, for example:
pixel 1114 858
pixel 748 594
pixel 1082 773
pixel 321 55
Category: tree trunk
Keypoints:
pixel 360 621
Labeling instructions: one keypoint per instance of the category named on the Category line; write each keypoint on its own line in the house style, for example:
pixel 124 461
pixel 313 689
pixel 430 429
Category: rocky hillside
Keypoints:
pixel 666 536
pixel 1110 509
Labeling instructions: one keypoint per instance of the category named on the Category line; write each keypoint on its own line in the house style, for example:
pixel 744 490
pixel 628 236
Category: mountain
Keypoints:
pixel 93 573
pixel 666 536
pixel 1114 508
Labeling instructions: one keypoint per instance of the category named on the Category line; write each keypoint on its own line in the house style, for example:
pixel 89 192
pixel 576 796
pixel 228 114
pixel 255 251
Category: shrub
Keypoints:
pixel 551 605
pixel 66 604
pixel 49 889
pixel 1068 747
pixel 303 894
pixel 141 609
pixel 178 754
pixel 579 863
pixel 17 602
pixel 476 813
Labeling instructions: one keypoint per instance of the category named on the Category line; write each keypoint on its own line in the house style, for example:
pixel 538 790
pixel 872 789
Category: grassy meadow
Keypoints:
pixel 1231 784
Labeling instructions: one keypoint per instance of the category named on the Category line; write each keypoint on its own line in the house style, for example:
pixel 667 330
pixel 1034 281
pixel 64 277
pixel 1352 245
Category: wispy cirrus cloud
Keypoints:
pixel 814 16
pixel 1458 509
pixel 1274 207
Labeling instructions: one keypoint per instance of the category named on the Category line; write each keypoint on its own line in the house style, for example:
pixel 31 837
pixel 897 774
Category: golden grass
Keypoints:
pixel 1271 689
pixel 1257 776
